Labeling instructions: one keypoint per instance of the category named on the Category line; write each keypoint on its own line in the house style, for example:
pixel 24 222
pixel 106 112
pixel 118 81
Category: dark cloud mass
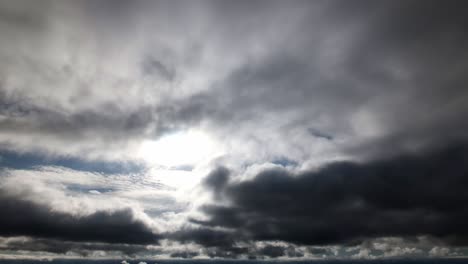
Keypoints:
pixel 347 202
pixel 59 246
pixel 272 251
pixel 184 254
pixel 25 218
pixel 204 236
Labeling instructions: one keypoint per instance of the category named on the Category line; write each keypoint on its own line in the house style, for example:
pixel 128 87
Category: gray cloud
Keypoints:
pixel 217 180
pixel 60 246
pixel 184 254
pixel 346 202
pixel 273 251
pixel 204 236
pixel 362 103
pixel 372 75
pixel 26 218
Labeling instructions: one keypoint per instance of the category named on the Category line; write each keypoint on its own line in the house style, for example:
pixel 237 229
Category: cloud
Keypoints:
pixel 26 218
pixel 273 251
pixel 217 180
pixel 347 202
pixel 226 252
pixel 439 251
pixel 184 255
pixel 204 236
pixel 305 72
pixel 54 203
pixel 62 247
pixel 339 122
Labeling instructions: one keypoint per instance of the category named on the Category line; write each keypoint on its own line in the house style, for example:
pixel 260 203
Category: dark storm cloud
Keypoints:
pixel 226 252
pixel 346 202
pixel 217 180
pixel 272 251
pixel 203 236
pixel 223 244
pixel 184 254
pixel 25 218
pixel 216 243
pixel 59 246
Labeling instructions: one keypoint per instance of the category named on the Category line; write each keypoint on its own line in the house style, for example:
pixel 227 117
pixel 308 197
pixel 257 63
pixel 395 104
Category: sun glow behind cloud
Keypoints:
pixel 184 148
pixel 177 160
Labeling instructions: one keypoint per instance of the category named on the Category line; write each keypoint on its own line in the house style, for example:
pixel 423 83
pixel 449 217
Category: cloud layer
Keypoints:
pixel 335 128
pixel 346 202
pixel 22 218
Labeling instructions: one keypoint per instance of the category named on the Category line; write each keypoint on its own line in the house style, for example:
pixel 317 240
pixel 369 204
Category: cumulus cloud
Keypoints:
pixel 26 218
pixel 347 202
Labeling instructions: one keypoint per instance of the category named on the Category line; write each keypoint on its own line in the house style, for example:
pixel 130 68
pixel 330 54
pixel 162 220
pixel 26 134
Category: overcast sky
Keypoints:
pixel 233 129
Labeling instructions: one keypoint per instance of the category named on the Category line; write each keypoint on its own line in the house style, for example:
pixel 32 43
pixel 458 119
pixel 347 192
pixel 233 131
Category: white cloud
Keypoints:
pixel 439 251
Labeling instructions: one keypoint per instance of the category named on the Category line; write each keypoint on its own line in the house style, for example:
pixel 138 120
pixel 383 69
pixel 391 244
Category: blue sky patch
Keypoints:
pixel 14 160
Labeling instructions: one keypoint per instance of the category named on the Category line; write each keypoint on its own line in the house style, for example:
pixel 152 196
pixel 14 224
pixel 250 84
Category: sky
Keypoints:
pixel 233 129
